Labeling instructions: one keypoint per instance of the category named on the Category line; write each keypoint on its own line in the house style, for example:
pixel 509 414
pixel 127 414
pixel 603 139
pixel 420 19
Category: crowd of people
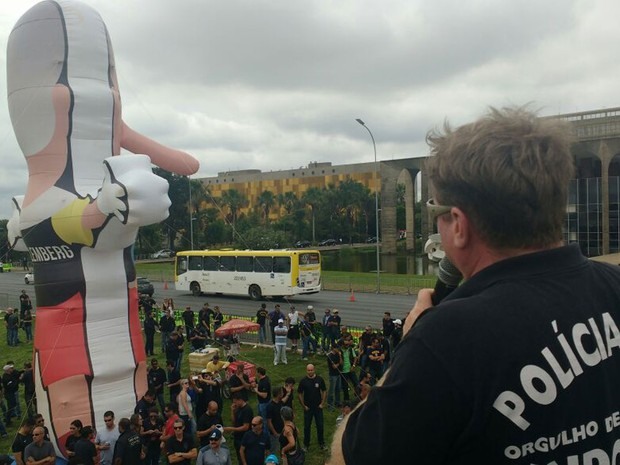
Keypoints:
pixel 183 418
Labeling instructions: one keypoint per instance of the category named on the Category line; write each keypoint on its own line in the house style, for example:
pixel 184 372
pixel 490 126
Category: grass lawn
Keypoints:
pixel 259 357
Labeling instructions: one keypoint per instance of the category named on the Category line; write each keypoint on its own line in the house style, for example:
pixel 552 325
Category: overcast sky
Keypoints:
pixel 277 84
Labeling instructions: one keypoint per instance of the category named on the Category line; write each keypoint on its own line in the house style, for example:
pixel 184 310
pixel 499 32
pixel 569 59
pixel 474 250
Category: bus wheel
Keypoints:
pixel 255 292
pixel 195 288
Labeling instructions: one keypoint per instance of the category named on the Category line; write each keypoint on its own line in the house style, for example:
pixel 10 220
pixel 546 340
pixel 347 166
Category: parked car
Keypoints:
pixel 371 240
pixel 145 287
pixel 163 253
pixel 328 242
pixel 302 244
pixel 29 278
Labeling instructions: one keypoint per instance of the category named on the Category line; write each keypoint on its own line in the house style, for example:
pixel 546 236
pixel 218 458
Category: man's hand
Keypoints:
pixel 423 302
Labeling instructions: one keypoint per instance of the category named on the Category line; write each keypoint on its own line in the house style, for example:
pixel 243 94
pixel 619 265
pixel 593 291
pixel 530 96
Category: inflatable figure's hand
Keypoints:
pixel 132 192
pixel 14 233
pixel 112 198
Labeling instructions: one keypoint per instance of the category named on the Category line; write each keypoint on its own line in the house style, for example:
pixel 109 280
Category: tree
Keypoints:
pixel 177 221
pixel 234 200
pixel 289 201
pixel 312 198
pixel 266 201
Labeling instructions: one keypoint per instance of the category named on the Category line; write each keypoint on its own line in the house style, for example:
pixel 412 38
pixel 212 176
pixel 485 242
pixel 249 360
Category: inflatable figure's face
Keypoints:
pixel 63 91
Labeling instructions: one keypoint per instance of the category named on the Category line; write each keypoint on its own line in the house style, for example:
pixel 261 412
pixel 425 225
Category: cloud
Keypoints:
pixel 274 85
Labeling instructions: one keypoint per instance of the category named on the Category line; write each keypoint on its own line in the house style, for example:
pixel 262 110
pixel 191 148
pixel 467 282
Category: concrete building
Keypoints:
pixel 593 212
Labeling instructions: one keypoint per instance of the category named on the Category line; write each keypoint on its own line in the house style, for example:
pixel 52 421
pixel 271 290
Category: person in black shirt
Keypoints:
pixel 174 380
pixel 255 443
pixel 204 319
pixel 22 439
pixel 156 379
pixel 241 415
pixel 128 448
pixel 166 326
pixel 261 318
pixel 27 380
pixel 85 452
pixel 188 320
pixel 152 429
pixel 174 349
pixel 274 420
pixel 240 382
pixel 207 423
pixel 388 324
pixel 376 356
pixel 180 447
pixel 312 393
pixel 263 392
pixel 197 338
pixel 149 334
pixel 334 365
pixel 288 392
pixel 145 404
pixel 274 316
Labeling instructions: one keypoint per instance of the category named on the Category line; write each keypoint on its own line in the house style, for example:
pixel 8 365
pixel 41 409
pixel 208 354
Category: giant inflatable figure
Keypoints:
pixel 82 208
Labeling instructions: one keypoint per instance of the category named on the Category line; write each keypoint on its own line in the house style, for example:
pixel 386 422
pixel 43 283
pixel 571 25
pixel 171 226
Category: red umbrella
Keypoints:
pixel 236 327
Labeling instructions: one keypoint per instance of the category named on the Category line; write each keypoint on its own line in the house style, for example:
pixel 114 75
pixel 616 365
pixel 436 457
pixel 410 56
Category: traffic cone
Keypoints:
pixel 165 285
pixel 352 296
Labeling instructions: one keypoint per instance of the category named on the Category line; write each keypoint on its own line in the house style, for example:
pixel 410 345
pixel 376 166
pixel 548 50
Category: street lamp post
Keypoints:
pixel 374 146
pixel 191 215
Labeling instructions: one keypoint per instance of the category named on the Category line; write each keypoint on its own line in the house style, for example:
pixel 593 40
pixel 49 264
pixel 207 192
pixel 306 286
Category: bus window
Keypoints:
pixel 282 264
pixel 211 264
pixel 263 264
pixel 181 265
pixel 195 263
pixel 245 263
pixel 227 263
pixel 309 259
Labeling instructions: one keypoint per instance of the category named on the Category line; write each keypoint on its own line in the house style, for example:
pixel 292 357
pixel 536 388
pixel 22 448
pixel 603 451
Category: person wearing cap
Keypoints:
pixel 281 333
pixel 10 383
pixel 214 453
pixel 310 313
pixel 333 323
pixel 272 460
pixel 397 334
pixel 274 316
pixel 325 341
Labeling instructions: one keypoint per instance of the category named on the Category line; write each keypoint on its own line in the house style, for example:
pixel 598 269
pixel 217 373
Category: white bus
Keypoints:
pixel 257 273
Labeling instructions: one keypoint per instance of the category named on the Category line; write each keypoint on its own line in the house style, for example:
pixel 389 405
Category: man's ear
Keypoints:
pixel 461 228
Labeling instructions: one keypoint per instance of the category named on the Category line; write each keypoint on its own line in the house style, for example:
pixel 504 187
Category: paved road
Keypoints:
pixel 366 309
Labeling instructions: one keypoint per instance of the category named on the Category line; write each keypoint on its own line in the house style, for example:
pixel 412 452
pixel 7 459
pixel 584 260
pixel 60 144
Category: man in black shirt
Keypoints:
pixel 27 380
pixel 197 338
pixel 180 447
pixel 312 393
pixel 204 319
pixel 188 320
pixel 22 439
pixel 166 326
pixel 207 423
pixel 84 449
pixel 239 382
pixel 263 392
pixel 521 362
pixel 10 383
pixel 149 334
pixel 255 444
pixel 275 424
pixel 261 318
pixel 241 416
pixel 156 379
pixel 128 448
pixel 145 404
pixel 174 380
